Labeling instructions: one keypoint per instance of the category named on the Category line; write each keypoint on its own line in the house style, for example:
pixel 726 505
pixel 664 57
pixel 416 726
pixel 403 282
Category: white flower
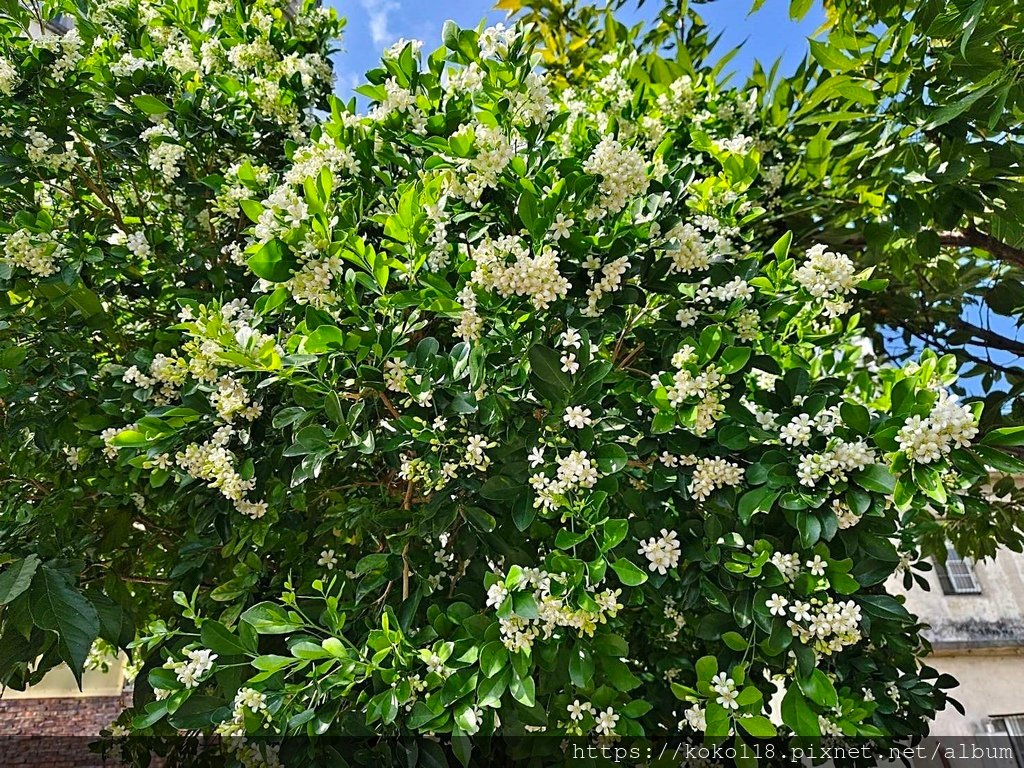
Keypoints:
pixel 569 363
pixel 577 417
pixel 570 338
pixel 560 227
pixel 496 595
pixel 728 699
pixel 189 672
pixel 695 718
pixel 663 553
pixel 606 721
pixel 801 611
pixel 817 566
pixel 798 431
pixel 578 710
pixel 328 558
pixel 536 456
pixel 777 604
pixel 722 682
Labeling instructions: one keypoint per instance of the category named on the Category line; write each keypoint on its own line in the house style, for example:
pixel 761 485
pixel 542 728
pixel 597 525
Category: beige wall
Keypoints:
pixel 60 683
pixel 979 639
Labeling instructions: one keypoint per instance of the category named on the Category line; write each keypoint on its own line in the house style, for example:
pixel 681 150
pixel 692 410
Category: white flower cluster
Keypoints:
pixel 246 699
pixel 36 252
pixel 609 282
pixel 191 670
pixel 532 105
pixel 948 426
pixel 709 388
pixel 826 625
pixel 662 552
pixel 496 40
pixel 507 267
pixel 575 472
pixel 216 464
pixel 623 175
pixel 8 76
pixel 725 687
pixel 447 459
pixel 519 634
pixel 788 565
pixel 689 251
pixel 164 153
pixel 845 517
pixel 473 175
pixel 135 242
pixel 835 463
pixel 829 276
pixel 710 474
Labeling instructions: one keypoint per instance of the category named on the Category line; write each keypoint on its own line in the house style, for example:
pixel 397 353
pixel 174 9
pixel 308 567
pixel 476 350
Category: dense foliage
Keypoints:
pixel 483 416
pixel 897 142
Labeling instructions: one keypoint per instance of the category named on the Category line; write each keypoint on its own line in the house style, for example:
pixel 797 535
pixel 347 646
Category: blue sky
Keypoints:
pixel 375 24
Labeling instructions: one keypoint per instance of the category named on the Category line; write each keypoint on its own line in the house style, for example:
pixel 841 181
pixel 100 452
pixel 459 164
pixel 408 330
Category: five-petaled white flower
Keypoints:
pixel 536 457
pixel 817 566
pixel 577 417
pixel 560 226
pixel 606 721
pixel 777 604
pixel 328 559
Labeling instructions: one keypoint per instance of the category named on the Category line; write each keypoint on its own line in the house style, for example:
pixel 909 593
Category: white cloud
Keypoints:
pixel 377 12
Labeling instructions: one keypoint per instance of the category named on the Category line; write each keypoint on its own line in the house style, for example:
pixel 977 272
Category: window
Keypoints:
pixel 957 575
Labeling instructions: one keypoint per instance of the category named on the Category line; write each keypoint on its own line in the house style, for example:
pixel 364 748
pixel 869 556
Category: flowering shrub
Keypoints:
pixel 510 426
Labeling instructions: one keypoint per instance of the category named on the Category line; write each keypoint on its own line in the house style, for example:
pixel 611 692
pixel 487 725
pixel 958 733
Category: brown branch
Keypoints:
pixel 388 404
pixel 978 239
pixel 406 505
pixel 991 338
pixel 971 237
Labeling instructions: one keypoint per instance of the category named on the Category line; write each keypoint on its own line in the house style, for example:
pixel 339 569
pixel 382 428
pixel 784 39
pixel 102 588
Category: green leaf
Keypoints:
pixel 781 247
pixel 151 105
pixel 798 715
pixel 57 607
pixel 819 689
pixel 270 263
pixel 220 640
pixel 707 668
pixel 16 578
pixel 1006 436
pixel 611 458
pixel 876 478
pixel 758 726
pixel 884 607
pixel 799 8
pixel 581 667
pixel 546 365
pixel 758 500
pixel 528 214
pixel 270 619
pixel 614 531
pixel 831 58
pixel 252 210
pixel 733 359
pixel 856 417
pixel 628 573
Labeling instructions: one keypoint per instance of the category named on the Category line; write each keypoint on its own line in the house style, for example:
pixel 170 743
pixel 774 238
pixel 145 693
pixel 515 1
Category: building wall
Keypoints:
pixel 979 639
pixel 53 723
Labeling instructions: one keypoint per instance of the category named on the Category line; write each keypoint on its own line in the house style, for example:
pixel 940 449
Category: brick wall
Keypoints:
pixel 55 732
